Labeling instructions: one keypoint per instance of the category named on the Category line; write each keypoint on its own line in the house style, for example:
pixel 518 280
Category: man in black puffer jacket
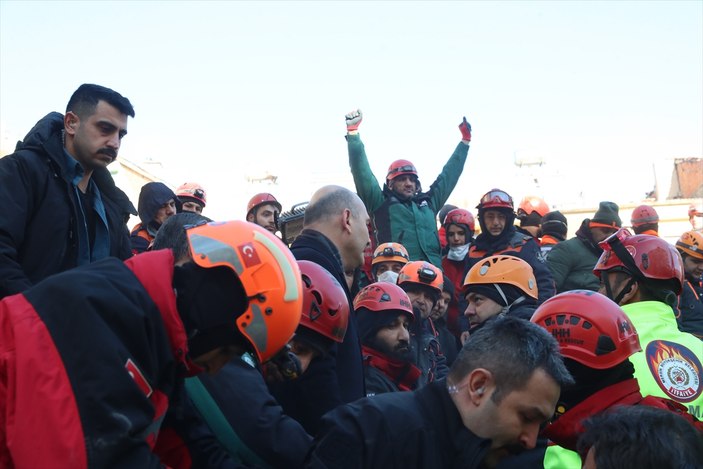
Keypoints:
pixel 61 206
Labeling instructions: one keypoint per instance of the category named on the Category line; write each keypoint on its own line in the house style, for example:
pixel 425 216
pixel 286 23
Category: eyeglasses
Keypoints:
pixel 497 196
pixel 426 275
pixel 403 169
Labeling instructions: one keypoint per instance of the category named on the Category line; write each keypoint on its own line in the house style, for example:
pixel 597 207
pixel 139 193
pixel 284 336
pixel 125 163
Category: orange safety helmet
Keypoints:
pixel 268 272
pixel 691 242
pixel 390 252
pixel 192 190
pixel 325 304
pixel 531 204
pixel 460 216
pixel 503 269
pixel 384 296
pixel 262 199
pixel 496 198
pixel 642 256
pixel 400 168
pixel 644 215
pixel 421 273
pixel 590 328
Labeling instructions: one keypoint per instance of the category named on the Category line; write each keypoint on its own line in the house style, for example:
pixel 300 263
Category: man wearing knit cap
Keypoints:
pixel 554 227
pixel 572 261
pixel 384 314
pixel 645 220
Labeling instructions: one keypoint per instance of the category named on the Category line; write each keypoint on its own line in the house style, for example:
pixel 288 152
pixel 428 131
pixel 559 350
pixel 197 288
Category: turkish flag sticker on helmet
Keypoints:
pixel 248 254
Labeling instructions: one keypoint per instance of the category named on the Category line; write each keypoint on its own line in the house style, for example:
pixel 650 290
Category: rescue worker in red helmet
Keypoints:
pixel 530 213
pixel 644 275
pixel 690 318
pixel 263 209
pixel 459 227
pixel 384 314
pixel 400 211
pixel 645 220
pixel 192 196
pixel 499 236
pixel 596 339
pixel 253 426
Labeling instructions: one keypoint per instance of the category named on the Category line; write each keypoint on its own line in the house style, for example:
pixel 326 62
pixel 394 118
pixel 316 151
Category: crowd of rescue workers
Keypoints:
pixel 388 330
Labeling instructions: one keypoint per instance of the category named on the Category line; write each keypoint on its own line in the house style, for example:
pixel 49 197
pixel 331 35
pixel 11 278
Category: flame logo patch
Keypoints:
pixel 676 369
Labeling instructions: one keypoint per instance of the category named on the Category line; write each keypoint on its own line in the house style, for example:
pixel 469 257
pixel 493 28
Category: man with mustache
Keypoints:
pixel 61 206
pixel 384 313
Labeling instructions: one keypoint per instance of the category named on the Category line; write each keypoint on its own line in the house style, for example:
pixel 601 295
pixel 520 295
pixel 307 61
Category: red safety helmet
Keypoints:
pixel 421 273
pixel 325 304
pixel 268 272
pixel 643 256
pixel 384 296
pixel 399 168
pixel 390 252
pixel 531 204
pixel 496 198
pixel 192 190
pixel 459 216
pixel 262 199
pixel 691 242
pixel 644 215
pixel 590 328
pixel 503 269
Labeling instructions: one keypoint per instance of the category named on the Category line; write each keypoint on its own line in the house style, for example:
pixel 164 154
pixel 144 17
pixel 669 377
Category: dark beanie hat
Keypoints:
pixel 209 302
pixel 555 224
pixel 511 292
pixel 369 322
pixel 606 216
pixel 448 287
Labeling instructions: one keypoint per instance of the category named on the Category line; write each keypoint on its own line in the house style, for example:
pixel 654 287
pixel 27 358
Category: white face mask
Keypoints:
pixel 388 276
pixel 458 253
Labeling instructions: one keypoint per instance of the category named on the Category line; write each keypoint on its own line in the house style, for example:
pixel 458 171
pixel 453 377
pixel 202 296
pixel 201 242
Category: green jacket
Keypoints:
pixel 572 263
pixel 412 222
pixel 669 364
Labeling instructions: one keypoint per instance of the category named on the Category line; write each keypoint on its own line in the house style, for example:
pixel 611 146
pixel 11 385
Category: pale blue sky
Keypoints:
pixel 600 90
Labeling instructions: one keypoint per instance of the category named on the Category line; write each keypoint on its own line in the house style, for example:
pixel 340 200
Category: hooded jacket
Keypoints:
pixel 411 222
pixel 151 198
pixel 690 316
pixel 572 261
pixel 39 229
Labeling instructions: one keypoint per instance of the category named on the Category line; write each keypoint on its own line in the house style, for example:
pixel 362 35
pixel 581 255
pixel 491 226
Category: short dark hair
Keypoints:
pixel 86 97
pixel 331 204
pixel 642 436
pixel 511 349
pixel 172 234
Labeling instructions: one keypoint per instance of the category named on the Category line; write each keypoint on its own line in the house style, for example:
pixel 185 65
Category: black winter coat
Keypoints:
pixel 338 377
pixel 420 429
pixel 38 226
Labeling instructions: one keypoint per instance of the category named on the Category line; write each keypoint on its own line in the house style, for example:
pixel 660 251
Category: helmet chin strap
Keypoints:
pixel 506 309
pixel 609 291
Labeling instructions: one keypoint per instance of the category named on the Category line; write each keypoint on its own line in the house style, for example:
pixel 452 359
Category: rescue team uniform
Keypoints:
pixel 85 380
pixel 690 316
pixel 419 429
pixel 411 222
pixel 383 374
pixel 513 243
pixel 669 364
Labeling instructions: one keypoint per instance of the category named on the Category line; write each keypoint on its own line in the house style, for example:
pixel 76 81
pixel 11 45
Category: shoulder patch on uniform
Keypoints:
pixel 676 370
